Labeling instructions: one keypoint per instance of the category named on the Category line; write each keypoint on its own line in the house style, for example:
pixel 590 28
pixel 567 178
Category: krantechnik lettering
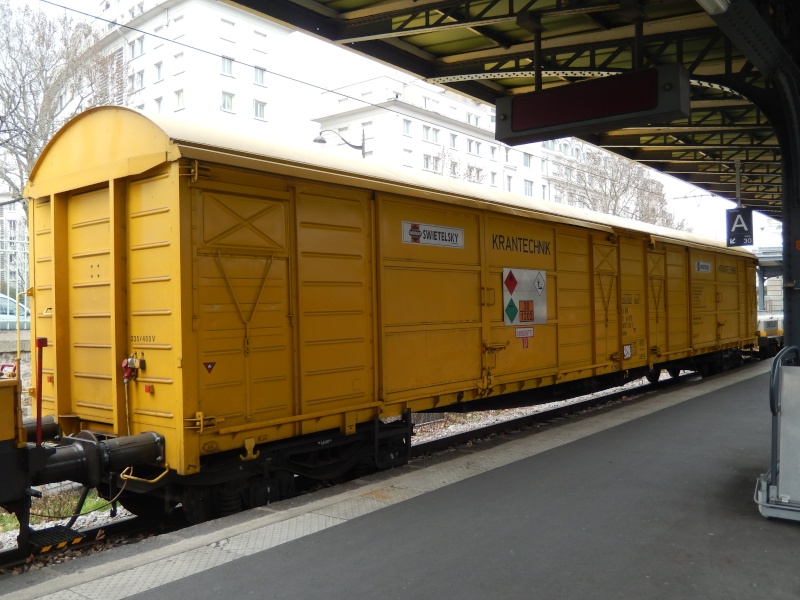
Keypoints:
pixel 519 244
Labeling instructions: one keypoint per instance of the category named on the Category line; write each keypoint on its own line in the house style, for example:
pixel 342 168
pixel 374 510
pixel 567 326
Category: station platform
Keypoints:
pixel 650 499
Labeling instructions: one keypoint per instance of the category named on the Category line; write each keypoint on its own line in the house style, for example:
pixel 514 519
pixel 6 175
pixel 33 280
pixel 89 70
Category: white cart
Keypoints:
pixel 778 490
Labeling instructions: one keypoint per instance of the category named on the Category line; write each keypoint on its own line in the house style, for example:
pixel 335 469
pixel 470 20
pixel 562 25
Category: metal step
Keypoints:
pixel 57 537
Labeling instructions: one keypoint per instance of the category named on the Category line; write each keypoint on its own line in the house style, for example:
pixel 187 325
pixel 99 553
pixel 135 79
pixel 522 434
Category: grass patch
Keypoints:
pixel 60 504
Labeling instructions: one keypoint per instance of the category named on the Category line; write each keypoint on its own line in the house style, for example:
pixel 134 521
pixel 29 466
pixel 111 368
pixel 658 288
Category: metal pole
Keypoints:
pixel 40 344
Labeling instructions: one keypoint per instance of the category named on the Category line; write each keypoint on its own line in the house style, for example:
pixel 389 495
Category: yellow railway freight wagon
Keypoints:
pixel 264 308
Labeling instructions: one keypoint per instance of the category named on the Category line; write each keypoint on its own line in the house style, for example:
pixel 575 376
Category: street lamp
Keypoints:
pixel 321 140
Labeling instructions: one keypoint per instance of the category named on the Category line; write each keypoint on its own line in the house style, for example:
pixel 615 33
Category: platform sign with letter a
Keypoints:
pixel 740 227
pixel 524 297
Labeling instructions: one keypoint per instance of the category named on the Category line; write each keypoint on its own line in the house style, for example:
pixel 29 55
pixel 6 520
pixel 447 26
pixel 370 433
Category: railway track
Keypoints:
pixel 123 531
pixel 549 416
pixel 132 529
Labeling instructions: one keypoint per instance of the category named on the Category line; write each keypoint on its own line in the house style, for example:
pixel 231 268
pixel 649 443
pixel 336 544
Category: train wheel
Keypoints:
pixel 653 375
pixel 196 505
pixel 674 372
pixel 145 506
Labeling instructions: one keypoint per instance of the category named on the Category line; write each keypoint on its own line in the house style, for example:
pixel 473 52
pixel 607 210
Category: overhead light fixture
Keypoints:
pixel 715 7
pixel 321 140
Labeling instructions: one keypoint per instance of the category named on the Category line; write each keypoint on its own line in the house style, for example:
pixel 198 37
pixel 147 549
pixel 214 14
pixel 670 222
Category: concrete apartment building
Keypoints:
pixel 422 126
pixel 210 62
pixel 196 59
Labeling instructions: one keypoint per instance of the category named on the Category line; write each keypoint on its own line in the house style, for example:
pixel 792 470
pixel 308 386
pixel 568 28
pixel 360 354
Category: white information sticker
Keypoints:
pixel 432 235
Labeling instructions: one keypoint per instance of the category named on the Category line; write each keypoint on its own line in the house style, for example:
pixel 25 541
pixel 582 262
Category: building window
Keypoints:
pixel 259 109
pixel 159 72
pixel 473 146
pixel 544 192
pixel 474 174
pixel 260 75
pixel 158 35
pixel 139 83
pixel 408 160
pixel 178 63
pixel 406 127
pixel 136 47
pixel 227 66
pixel 453 140
pixel 430 134
pixel 260 42
pixel 158 104
pixel 226 30
pixel 453 169
pixel 177 27
pixel 493 152
pixel 179 100
pixel 431 163
pixel 227 102
pixel 473 119
pixel 509 181
pixel 528 188
pixel 493 179
pixel 526 159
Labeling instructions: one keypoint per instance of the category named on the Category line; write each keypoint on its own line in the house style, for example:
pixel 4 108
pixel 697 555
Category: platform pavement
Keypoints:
pixel 650 500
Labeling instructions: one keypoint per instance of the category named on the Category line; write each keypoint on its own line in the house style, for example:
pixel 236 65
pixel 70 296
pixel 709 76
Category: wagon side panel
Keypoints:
pixel 519 299
pixel 430 298
pixel 336 291
pixel 677 302
pixel 633 301
pixel 575 316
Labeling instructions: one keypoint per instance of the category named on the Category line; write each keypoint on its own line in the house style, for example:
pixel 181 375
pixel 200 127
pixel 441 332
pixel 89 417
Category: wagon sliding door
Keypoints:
pixel 657 303
pixel 605 264
pixel 336 310
pixel 242 308
pixel 79 309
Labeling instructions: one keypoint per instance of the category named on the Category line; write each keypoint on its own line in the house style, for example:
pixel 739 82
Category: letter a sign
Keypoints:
pixel 740 227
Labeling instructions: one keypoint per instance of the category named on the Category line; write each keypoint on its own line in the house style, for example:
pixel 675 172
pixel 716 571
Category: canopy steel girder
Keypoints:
pixel 487 49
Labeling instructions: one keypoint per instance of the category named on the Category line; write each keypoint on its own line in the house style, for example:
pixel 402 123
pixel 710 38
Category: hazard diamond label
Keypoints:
pixel 209 366
pixel 511 310
pixel 524 297
pixel 511 282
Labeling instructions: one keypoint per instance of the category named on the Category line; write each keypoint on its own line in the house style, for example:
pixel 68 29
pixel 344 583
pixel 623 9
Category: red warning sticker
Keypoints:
pixel 209 366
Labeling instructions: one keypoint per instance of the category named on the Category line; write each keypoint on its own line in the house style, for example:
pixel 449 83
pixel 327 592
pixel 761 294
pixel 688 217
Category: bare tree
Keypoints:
pixel 608 183
pixel 450 164
pixel 50 70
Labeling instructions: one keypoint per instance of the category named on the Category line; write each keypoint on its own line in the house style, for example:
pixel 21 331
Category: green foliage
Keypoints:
pixel 59 505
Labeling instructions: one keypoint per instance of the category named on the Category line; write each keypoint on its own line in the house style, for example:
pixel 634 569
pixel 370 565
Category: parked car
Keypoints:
pixel 8 314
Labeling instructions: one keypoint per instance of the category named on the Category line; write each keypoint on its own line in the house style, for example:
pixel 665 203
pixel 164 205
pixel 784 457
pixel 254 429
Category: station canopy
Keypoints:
pixel 493 49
